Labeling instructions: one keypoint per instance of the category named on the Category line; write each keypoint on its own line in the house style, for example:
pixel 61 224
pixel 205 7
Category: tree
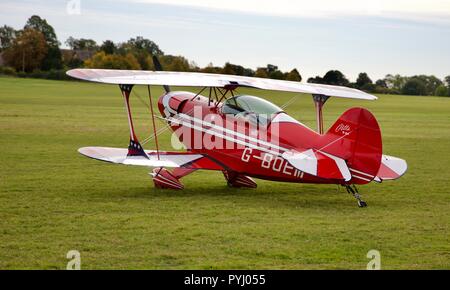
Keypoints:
pixel 27 51
pixel 441 91
pixel 447 81
pixel 7 36
pixel 109 47
pixel 271 68
pixel 277 75
pixel 210 68
pixel 112 61
pixel 271 71
pixel 39 24
pixel 140 43
pixel 335 77
pixel 332 77
pixel 70 59
pixel 431 83
pixel 381 84
pixel 178 63
pixel 174 63
pixel 363 80
pixel 315 80
pixel 294 75
pixel 380 87
pixel 261 72
pixel 248 72
pixel 141 48
pixel 233 69
pixel 53 58
pixel 414 86
pixel 395 82
pixel 82 44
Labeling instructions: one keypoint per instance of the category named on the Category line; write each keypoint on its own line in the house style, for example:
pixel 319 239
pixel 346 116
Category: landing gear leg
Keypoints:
pixel 354 191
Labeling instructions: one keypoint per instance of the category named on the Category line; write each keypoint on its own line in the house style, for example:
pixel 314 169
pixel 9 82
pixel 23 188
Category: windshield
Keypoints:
pixel 249 104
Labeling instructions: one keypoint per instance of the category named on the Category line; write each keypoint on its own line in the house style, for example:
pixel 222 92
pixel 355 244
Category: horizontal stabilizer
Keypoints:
pixel 166 159
pixel 391 168
pixel 319 164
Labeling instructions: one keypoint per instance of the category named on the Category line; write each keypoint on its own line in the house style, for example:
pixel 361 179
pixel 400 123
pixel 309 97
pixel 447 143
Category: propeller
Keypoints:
pixel 158 67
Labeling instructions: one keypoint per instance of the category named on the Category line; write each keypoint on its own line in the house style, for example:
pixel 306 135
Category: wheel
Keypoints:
pixel 362 203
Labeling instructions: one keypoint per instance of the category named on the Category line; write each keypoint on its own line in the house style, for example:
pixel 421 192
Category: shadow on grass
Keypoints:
pixel 270 196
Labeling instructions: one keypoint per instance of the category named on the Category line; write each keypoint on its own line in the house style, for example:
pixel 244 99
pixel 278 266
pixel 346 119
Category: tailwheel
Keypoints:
pixel 354 191
pixel 362 203
pixel 163 178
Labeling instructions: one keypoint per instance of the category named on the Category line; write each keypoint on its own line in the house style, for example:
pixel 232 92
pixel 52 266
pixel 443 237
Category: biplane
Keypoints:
pixel 247 137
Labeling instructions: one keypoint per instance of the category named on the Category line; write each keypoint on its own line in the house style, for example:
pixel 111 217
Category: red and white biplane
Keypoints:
pixel 245 136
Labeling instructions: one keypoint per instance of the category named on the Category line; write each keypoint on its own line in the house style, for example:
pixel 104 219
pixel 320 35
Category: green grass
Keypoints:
pixel 53 200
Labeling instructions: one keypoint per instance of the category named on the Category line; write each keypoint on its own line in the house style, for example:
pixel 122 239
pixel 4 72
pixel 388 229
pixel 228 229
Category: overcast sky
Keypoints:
pixel 378 37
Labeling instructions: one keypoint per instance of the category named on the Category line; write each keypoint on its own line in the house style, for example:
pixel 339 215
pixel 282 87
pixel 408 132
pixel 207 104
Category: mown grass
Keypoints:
pixel 53 200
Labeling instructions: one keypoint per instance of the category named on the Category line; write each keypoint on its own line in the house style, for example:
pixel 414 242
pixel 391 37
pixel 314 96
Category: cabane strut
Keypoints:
pixel 319 101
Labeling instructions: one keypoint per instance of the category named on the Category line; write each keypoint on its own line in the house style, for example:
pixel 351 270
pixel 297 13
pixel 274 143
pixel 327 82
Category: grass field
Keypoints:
pixel 53 200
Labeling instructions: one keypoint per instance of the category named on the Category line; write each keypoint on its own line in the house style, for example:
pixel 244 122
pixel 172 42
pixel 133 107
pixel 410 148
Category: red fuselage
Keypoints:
pixel 253 149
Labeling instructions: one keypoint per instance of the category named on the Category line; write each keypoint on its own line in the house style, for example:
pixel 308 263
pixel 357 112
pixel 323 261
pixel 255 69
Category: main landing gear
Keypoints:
pixel 354 191
pixel 163 178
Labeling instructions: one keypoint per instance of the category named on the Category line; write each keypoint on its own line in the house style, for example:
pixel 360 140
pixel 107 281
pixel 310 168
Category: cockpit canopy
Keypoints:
pixel 254 108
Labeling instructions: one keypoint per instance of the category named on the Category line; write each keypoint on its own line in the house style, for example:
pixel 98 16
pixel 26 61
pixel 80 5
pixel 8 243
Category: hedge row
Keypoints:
pixel 38 74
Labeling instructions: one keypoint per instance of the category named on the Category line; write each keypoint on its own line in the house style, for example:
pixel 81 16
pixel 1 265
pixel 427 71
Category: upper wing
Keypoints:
pixel 137 77
pixel 166 159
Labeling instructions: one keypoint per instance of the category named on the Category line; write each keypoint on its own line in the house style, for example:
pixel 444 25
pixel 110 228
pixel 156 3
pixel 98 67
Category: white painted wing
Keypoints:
pixel 136 77
pixel 119 156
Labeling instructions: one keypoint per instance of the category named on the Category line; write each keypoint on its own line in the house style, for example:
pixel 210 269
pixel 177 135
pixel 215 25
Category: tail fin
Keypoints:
pixel 356 138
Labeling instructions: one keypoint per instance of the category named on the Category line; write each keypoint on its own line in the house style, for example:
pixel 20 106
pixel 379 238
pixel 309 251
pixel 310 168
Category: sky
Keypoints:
pixel 407 37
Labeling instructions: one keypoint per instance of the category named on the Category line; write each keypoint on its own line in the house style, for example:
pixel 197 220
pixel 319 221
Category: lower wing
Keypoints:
pixel 163 159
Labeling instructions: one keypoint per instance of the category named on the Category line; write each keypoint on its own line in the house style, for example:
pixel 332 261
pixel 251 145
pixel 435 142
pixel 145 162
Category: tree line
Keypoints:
pixel 420 85
pixel 35 51
pixel 137 53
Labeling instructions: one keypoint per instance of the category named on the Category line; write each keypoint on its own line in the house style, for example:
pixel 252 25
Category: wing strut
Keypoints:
pixel 319 101
pixel 134 148
pixel 153 120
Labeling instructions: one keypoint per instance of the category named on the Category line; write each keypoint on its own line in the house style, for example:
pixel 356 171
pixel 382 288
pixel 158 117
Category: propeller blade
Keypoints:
pixel 158 67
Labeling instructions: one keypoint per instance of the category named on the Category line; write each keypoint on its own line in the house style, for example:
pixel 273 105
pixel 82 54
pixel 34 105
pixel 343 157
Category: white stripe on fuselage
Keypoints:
pixel 233 133
pixel 360 172
pixel 229 138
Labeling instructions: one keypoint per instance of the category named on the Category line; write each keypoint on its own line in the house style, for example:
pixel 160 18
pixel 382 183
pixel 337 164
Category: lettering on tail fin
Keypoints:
pixel 343 128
